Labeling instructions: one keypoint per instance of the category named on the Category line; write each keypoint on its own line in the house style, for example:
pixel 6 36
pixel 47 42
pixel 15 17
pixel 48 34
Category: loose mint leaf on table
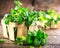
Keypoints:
pixel 2 41
pixel 31 47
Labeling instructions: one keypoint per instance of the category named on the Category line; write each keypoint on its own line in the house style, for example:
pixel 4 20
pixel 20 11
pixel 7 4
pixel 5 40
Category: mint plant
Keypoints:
pixel 32 16
pixel 17 15
pixel 34 38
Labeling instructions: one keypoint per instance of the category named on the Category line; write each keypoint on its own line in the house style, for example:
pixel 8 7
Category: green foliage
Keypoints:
pixel 42 16
pixel 48 17
pixel 29 40
pixel 35 38
pixel 31 17
pixel 18 14
pixel 51 12
pixel 40 34
pixel 42 13
pixel 6 18
pixel 19 40
pixel 58 17
pixel 31 47
pixel 50 21
pixel 36 42
pixel 17 2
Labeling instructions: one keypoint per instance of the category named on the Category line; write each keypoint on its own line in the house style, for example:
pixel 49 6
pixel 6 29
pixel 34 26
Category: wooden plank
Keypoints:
pixel 4 29
pixel 11 31
pixel 24 30
pixel 21 30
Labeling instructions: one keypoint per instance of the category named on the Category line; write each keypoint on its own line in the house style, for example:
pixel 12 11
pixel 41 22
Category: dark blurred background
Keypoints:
pixel 6 5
